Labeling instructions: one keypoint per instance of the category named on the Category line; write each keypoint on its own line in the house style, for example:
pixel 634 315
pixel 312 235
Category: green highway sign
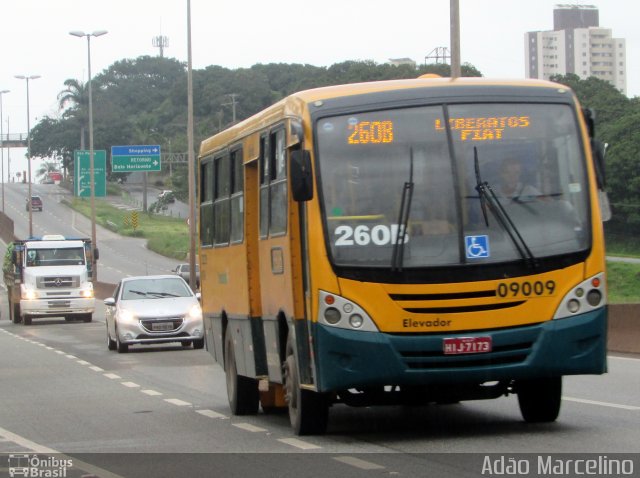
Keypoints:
pixel 125 159
pixel 82 172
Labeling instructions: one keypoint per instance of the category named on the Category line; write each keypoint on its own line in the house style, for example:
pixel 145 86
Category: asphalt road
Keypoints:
pixel 162 410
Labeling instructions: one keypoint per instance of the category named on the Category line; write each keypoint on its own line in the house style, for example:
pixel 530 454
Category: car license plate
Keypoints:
pixel 466 345
pixel 162 326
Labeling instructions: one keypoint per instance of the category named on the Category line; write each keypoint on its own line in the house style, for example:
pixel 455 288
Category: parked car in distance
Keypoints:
pixel 36 203
pixel 184 271
pixel 153 309
pixel 167 195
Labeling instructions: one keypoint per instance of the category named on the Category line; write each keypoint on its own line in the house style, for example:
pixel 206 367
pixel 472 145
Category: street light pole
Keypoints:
pixel 191 157
pixel 27 78
pixel 97 33
pixel 2 145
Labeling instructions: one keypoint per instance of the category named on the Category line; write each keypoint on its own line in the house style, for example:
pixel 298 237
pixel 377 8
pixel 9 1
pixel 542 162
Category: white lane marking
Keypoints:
pixel 303 445
pixel 212 414
pixel 249 427
pixel 83 362
pixel 95 368
pixel 358 463
pixel 152 393
pixel 25 443
pixel 112 376
pixel 69 356
pixel 176 401
pixel 130 384
pixel 60 352
pixel 602 404
pixel 632 359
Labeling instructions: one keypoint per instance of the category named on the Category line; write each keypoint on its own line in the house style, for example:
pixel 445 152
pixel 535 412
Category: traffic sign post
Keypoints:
pixel 126 159
pixel 82 171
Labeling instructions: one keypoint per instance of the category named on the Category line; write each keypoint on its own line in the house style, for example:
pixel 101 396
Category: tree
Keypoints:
pixel 76 94
pixel 45 168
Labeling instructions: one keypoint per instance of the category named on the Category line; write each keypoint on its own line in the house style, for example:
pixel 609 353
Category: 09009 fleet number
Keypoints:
pixel 526 289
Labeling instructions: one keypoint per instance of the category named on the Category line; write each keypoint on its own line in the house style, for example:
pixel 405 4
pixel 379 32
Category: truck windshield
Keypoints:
pixel 55 257
pixel 530 154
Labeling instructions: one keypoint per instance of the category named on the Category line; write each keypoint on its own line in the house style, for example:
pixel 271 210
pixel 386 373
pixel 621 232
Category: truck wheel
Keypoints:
pixel 540 399
pixel 87 318
pixel 308 410
pixel 242 392
pixel 14 310
pixel 26 320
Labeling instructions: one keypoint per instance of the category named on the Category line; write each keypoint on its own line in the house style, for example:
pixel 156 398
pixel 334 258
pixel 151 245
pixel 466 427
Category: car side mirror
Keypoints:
pixel 110 302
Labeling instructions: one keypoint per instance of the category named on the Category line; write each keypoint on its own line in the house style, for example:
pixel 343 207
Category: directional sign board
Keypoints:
pixel 125 159
pixel 82 169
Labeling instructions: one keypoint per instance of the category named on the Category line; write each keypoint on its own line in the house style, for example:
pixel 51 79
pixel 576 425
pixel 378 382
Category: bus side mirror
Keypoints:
pixel 598 150
pixel 96 254
pixel 301 177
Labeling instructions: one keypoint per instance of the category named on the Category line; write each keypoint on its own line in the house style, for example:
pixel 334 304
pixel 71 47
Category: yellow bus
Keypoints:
pixel 412 241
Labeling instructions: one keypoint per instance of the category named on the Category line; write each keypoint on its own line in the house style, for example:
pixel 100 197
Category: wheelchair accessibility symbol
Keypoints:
pixel 477 246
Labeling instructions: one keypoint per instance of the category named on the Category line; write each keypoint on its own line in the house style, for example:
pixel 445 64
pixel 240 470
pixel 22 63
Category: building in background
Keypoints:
pixel 577 44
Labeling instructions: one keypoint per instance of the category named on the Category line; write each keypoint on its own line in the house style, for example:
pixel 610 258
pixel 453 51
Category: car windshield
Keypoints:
pixel 55 257
pixel 155 288
pixel 406 178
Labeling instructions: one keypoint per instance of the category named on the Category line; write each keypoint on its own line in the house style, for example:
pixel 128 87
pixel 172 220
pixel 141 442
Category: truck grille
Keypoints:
pixel 58 282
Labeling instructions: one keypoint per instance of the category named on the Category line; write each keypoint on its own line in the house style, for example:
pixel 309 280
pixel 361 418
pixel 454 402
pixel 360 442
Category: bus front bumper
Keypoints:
pixel 349 359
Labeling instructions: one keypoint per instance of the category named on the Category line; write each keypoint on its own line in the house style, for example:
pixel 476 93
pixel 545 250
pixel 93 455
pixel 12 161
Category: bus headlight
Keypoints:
pixel 332 315
pixel 340 312
pixel 584 297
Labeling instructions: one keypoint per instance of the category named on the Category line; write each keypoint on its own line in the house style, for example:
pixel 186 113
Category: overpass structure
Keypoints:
pixel 14 140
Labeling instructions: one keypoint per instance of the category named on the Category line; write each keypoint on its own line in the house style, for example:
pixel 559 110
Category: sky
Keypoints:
pixel 35 40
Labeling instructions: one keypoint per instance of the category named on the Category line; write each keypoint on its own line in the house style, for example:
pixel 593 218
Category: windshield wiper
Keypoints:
pixel 163 294
pixel 488 196
pixel 139 292
pixel 397 255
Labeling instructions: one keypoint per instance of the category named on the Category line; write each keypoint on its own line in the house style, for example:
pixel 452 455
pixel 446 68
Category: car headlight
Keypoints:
pixel 127 316
pixel 195 312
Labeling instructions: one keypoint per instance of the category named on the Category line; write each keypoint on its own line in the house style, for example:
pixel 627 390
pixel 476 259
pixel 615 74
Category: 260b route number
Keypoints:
pixel 526 289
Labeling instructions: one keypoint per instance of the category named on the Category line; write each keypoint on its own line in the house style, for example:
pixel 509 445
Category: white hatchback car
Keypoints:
pixel 153 309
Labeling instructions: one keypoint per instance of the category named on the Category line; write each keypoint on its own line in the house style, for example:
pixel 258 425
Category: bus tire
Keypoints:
pixel 540 399
pixel 242 392
pixel 308 410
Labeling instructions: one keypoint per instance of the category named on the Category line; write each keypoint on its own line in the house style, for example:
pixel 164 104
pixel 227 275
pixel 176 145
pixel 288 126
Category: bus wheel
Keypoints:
pixel 308 410
pixel 242 392
pixel 540 399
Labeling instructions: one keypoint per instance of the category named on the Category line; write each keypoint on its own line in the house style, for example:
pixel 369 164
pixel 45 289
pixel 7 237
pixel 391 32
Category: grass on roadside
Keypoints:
pixel 168 236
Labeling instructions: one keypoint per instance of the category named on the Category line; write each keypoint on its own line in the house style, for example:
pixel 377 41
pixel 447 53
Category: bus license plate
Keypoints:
pixel 162 326
pixel 466 345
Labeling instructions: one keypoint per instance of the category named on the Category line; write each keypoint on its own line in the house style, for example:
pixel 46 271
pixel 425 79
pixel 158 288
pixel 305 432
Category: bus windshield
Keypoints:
pixel 528 155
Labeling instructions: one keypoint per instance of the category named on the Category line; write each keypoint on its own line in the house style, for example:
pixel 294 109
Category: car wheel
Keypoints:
pixel 308 410
pixel 198 344
pixel 111 344
pixel 122 348
pixel 242 392
pixel 186 343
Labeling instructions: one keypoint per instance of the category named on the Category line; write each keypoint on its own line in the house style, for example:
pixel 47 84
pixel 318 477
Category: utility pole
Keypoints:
pixel 233 106
pixel 455 38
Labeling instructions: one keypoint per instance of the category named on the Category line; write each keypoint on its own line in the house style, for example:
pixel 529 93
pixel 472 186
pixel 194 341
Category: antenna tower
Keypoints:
pixel 161 42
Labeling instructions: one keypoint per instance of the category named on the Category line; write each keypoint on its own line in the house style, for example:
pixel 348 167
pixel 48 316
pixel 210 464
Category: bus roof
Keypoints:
pixel 294 104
